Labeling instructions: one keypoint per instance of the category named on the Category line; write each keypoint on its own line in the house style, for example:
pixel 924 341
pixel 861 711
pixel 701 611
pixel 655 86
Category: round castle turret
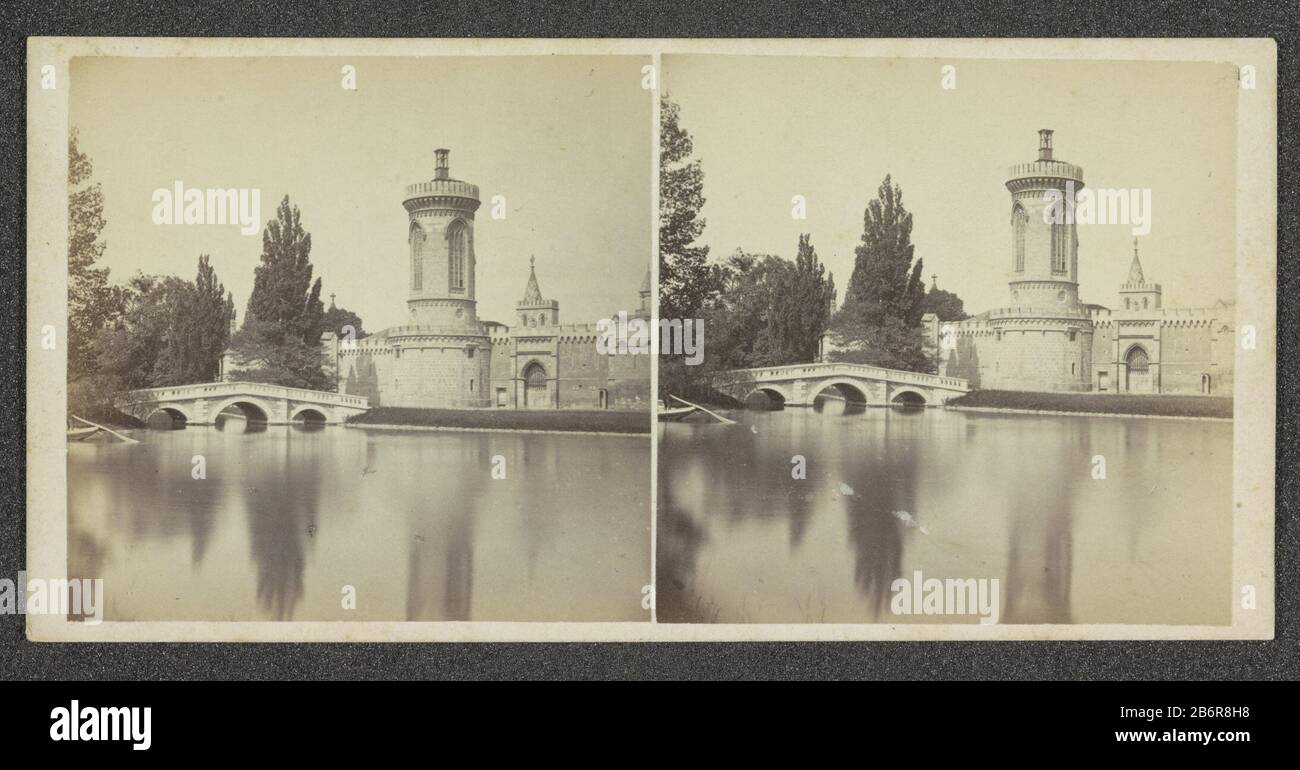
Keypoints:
pixel 1043 338
pixel 440 241
pixel 1044 244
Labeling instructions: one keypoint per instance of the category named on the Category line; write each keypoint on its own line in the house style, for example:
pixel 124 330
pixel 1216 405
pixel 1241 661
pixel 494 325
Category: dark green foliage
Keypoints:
pixel 92 303
pixel 879 323
pixel 285 301
pixel 686 281
pixel 338 319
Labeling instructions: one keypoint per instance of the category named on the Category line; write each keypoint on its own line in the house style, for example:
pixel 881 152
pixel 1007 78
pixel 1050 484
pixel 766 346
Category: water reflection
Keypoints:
pixel 288 518
pixel 954 495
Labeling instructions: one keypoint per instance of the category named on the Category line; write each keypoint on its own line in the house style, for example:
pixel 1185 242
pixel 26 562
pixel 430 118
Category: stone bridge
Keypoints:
pixel 260 402
pixel 799 384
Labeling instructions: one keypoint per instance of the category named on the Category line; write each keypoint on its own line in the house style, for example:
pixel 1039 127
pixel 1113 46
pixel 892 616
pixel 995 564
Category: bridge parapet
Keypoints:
pixel 797 371
pixel 200 403
pixel 799 384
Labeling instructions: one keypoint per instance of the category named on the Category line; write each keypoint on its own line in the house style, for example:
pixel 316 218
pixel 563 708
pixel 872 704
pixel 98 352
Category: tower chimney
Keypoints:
pixel 1044 144
pixel 442 171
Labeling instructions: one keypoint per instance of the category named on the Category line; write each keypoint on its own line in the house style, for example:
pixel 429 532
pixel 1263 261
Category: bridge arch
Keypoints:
pixel 309 413
pixel 254 409
pixel 853 392
pixel 176 412
pixel 778 396
pixel 905 396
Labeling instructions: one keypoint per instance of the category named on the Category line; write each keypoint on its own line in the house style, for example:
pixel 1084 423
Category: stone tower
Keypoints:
pixel 1043 339
pixel 440 241
pixel 533 310
pixel 1136 293
pixel 1044 244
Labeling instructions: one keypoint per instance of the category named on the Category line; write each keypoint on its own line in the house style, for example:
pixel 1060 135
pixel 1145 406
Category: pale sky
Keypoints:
pixel 829 129
pixel 567 140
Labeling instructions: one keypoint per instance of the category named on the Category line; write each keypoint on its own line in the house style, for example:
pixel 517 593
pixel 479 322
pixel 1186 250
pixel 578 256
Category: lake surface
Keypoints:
pixel 287 517
pixel 953 495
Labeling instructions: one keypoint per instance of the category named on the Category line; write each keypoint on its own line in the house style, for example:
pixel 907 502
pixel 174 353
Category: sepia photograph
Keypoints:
pixel 335 338
pixel 972 330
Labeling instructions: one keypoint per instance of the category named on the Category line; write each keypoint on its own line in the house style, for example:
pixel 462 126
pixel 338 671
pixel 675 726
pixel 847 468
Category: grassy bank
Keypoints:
pixel 1099 403
pixel 509 419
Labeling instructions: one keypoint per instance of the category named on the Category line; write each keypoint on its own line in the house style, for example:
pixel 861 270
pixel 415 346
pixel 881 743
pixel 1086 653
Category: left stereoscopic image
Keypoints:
pixel 337 337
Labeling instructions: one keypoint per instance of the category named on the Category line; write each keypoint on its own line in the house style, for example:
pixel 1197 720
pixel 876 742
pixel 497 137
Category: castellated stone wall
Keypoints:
pixel 425 373
pixel 1189 350
pixel 440 373
pixel 1019 354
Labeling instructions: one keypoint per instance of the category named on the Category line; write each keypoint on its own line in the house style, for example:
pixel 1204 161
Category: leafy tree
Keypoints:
pixel 686 280
pixel 879 323
pixel 172 332
pixel 945 304
pixel 739 323
pixel 285 299
pixel 802 307
pixel 885 283
pixel 771 311
pixel 199 333
pixel 280 338
pixel 136 352
pixel 338 319
pixel 92 303
pixel 289 361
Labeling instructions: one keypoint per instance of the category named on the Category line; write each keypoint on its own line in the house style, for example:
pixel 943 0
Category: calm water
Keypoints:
pixel 954 495
pixel 288 516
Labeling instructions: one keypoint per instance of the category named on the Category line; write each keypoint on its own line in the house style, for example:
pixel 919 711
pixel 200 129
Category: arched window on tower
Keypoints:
pixel 457 247
pixel 1019 220
pixel 417 254
pixel 1060 247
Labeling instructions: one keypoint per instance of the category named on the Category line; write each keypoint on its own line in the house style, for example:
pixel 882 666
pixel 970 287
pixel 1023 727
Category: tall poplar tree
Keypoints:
pixel 686 280
pixel 285 302
pixel 879 323
pixel 92 303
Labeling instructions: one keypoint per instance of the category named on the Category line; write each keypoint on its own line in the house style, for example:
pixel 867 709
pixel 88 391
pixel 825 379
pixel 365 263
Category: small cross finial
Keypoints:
pixel 532 262
pixel 331 298
pixel 1135 247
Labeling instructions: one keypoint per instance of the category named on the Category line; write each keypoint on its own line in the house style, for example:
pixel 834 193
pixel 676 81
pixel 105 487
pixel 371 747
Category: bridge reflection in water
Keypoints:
pixel 999 496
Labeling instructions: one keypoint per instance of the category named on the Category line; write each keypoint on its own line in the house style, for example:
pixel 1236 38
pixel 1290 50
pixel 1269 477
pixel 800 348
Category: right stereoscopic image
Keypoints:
pixel 946 341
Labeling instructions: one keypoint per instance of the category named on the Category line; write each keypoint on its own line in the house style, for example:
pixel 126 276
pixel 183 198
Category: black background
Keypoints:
pixel 20 659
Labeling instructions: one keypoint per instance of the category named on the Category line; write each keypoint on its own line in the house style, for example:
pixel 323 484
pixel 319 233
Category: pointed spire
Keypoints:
pixel 532 293
pixel 645 285
pixel 332 301
pixel 1135 270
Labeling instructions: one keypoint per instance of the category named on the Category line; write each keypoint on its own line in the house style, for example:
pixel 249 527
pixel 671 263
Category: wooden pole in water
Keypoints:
pixel 127 439
pixel 714 415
